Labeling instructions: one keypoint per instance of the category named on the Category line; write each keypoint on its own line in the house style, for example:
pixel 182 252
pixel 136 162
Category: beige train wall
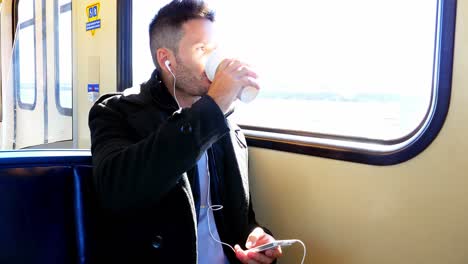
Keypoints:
pixel 90 54
pixel 413 212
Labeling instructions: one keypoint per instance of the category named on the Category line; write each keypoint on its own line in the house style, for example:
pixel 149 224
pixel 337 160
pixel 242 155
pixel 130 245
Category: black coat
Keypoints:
pixel 144 157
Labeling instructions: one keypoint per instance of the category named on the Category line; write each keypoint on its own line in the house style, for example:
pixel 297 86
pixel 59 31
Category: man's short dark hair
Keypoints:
pixel 165 31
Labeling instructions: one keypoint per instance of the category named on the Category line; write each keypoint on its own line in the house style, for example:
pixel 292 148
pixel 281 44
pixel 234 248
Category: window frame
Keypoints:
pixel 16 54
pixel 355 149
pixel 124 45
pixel 67 111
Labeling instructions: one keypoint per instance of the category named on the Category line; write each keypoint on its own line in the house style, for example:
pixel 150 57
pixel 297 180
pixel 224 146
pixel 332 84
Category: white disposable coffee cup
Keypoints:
pixel 247 93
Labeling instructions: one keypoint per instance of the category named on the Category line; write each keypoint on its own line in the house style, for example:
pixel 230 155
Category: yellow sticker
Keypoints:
pixel 94 22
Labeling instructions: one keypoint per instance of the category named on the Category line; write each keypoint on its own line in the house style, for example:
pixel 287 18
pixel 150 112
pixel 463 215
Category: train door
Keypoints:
pixel 28 72
pixel 38 93
pixel 59 47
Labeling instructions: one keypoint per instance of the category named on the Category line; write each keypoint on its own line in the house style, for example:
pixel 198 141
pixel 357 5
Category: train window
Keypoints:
pixel 341 79
pixel 25 50
pixel 353 71
pixel 63 55
pixel 143 64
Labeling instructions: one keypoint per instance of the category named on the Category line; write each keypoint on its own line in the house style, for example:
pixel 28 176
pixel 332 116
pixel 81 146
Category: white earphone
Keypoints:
pixel 168 63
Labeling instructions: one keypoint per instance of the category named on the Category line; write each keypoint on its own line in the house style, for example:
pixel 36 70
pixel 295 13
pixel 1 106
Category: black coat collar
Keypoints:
pixel 159 92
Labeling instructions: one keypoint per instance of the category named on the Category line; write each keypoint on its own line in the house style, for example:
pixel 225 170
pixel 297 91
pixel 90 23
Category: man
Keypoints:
pixel 162 157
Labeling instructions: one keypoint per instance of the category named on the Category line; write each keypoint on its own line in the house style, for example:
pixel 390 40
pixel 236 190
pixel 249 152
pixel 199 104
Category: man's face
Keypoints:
pixel 196 44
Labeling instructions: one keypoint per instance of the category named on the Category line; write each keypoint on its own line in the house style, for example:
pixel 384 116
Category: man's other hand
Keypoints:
pixel 258 237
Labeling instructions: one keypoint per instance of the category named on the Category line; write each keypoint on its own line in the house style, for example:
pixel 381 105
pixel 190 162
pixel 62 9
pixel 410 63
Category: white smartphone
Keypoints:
pixel 274 244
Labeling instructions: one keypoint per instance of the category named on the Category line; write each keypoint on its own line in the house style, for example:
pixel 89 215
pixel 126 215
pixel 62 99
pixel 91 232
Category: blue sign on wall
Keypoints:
pixel 94 22
pixel 93 87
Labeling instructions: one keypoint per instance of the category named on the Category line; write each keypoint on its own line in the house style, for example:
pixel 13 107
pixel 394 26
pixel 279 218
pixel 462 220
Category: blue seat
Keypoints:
pixel 46 210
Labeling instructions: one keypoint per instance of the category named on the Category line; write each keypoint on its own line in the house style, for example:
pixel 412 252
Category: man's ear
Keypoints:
pixel 162 55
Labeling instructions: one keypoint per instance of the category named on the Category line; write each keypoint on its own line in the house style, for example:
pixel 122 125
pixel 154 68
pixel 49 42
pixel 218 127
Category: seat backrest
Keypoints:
pixel 37 215
pixel 44 216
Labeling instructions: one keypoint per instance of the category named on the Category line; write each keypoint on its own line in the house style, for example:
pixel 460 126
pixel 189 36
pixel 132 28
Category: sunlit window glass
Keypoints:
pixel 64 55
pixel 354 68
pixel 25 45
pixel 143 64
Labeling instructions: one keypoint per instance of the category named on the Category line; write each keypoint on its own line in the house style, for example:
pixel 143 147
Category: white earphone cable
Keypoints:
pixel 217 207
pixel 175 96
pixel 212 207
pixel 305 250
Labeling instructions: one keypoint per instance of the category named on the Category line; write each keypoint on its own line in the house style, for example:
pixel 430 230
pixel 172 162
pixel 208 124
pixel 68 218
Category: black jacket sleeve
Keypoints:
pixel 138 174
